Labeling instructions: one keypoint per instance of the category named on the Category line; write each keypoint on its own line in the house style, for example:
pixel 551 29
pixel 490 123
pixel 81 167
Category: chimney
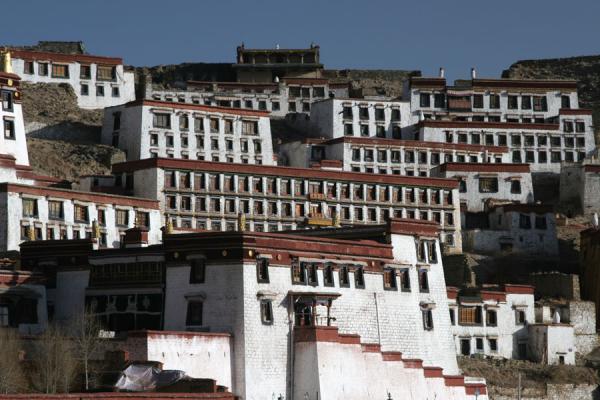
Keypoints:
pixel 473 73
pixel 442 72
pixel 135 237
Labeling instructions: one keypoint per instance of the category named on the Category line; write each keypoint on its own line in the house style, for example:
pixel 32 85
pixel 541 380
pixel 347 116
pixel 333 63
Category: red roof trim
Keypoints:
pixel 417 144
pixel 198 107
pixel 30 55
pixel 81 196
pixel 592 168
pixel 300 81
pixel 486 125
pixel 452 292
pixel 485 167
pixel 7 75
pixel 575 111
pixel 309 173
pixel 525 83
pixel 493 295
pixel 405 226
pixel 519 289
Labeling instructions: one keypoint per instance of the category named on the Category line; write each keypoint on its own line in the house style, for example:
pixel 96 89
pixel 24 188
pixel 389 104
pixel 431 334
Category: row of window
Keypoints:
pixel 542 156
pixel 490 101
pixel 364 115
pixel 85 90
pixel 490 185
pixel 380 131
pixel 214 143
pixel 412 156
pixel 500 139
pixel 81 213
pixel 473 316
pixel 214 125
pixel 315 190
pixel 103 72
pixel 61 232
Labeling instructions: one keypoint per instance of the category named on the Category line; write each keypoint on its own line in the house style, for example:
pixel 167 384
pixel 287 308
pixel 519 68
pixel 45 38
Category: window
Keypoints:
pixel 100 90
pixel 85 72
pixel 60 71
pixel 479 344
pixel 491 318
pixel 520 317
pixel 540 103
pixel 364 130
pixel 328 275
pixel 389 279
pixel 344 277
pixel 524 221
pixel 313 278
pixel 469 315
pixel 348 130
pixel 347 112
pixel 80 213
pixel 423 281
pixel 540 222
pixel 568 126
pixel 122 217
pixel 142 219
pixel 275 106
pixel 197 270
pixel 4 322
pixel 363 112
pixel 462 186
pixel 405 280
pixel 395 114
pixel 493 343
pixel 115 92
pixel 439 100
pixel 432 252
pixel 515 186
pixel 298 273
pixel 359 278
pixel 427 319
pixel 85 89
pixel 262 270
pixel 565 101
pixel 30 209
pixel 7 101
pixel 28 67
pixel 488 185
pixel 106 72
pixel 266 312
pixel 9 128
pixel 249 127
pixel 194 313
pixel 452 316
pixel 425 100
pixel 579 126
pixel 55 210
pixel 161 121
pixel 494 101
pixel 513 102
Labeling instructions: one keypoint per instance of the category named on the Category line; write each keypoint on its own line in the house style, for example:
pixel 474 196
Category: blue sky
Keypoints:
pixel 422 34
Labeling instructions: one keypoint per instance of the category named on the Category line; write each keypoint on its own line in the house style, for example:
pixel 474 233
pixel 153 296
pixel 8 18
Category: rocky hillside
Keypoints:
pixel 63 140
pixel 586 70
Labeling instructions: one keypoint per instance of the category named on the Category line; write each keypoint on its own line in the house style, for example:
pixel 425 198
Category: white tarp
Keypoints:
pixel 146 378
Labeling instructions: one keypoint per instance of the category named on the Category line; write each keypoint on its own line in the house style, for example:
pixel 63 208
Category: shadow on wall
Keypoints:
pixel 73 132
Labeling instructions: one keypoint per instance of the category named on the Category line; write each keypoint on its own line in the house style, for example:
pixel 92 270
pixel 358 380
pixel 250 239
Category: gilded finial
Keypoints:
pixel 31 233
pixel 337 222
pixel 6 61
pixel 241 222
pixel 168 225
pixel 95 230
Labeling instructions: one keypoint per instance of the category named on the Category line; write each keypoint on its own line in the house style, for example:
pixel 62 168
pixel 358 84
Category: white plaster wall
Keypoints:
pixel 16 147
pixel 69 295
pixel 199 356
pixel 549 341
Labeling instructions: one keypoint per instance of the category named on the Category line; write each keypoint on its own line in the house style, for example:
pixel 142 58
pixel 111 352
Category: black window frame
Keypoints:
pixel 198 270
pixel 189 320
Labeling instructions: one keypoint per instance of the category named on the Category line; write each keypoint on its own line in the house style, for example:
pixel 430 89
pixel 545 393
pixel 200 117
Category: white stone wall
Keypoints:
pixel 200 356
pixel 136 130
pixel 507 331
pixel 505 228
pixel 548 342
pixel 523 152
pixel 366 376
pixel 475 200
pixel 327 117
pixel 16 147
pixel 11 238
pixel 69 295
pixel 125 82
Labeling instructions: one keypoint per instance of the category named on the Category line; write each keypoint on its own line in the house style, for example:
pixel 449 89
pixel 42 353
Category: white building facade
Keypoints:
pixel 492 322
pixel 98 82
pixel 148 128
pixel 206 195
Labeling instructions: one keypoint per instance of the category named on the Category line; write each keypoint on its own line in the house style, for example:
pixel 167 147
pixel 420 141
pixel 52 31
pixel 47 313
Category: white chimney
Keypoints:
pixel 442 72
pixel 473 73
